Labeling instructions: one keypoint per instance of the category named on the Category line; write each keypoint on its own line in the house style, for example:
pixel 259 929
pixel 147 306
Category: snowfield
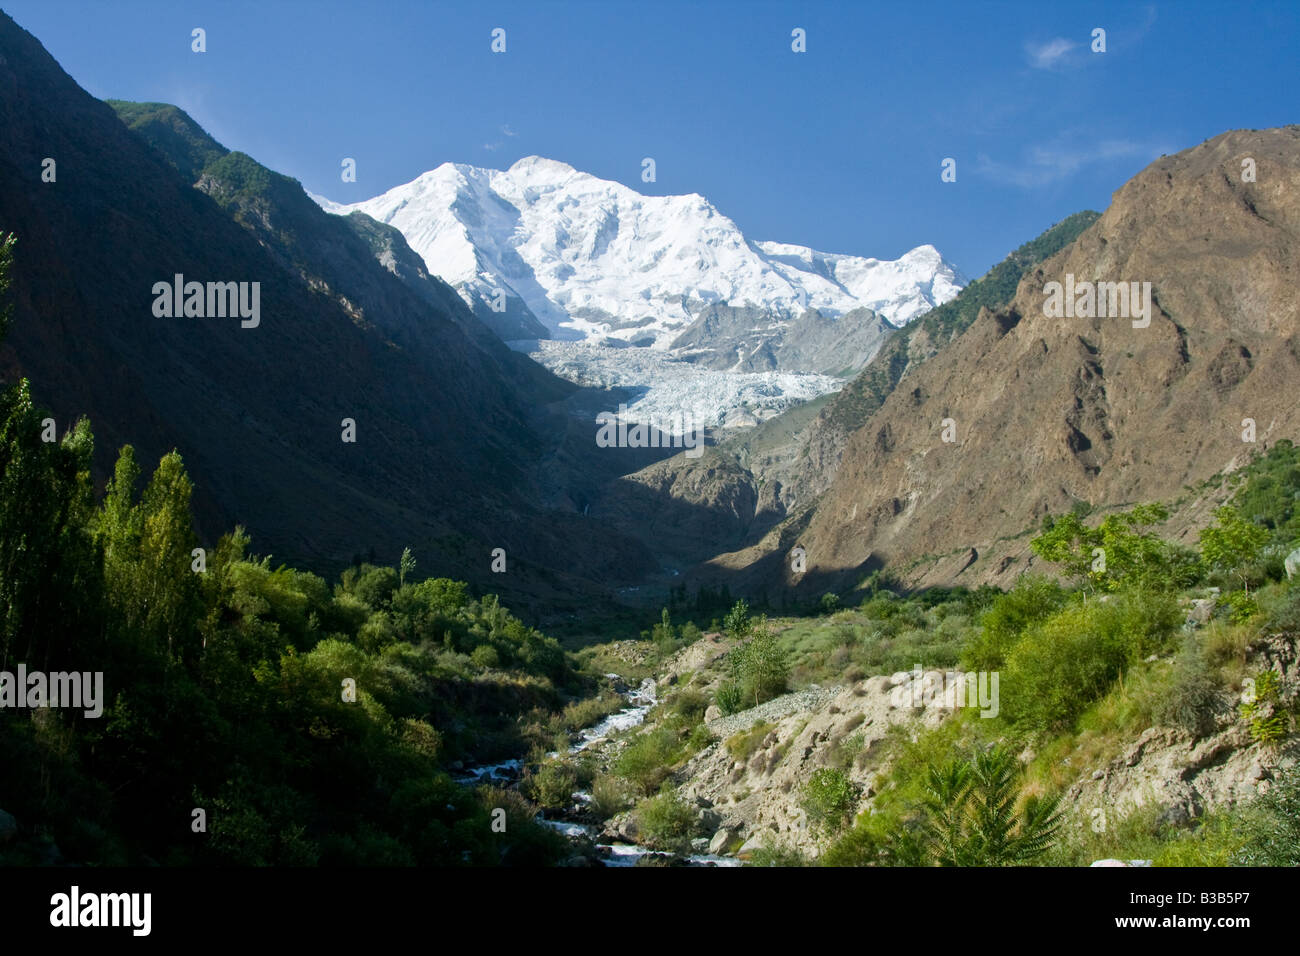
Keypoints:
pixel 591 258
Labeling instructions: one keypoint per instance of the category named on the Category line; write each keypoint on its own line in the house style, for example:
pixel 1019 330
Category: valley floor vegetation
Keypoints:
pixel 1087 662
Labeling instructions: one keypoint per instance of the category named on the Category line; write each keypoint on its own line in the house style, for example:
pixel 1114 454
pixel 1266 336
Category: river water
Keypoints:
pixel 641 701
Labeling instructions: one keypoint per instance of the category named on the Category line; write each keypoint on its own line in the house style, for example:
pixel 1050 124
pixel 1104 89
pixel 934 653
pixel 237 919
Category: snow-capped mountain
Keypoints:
pixel 569 256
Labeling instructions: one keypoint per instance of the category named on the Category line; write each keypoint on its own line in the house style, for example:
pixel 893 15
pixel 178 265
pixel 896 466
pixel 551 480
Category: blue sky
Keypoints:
pixel 838 148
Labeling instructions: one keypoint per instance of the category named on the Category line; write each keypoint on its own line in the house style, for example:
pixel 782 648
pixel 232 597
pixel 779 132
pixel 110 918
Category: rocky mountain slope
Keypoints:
pixel 456 451
pixel 735 492
pixel 1049 413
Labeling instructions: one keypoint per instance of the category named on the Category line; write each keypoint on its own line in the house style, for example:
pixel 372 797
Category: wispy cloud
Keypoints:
pixel 505 130
pixel 1063 158
pixel 1049 55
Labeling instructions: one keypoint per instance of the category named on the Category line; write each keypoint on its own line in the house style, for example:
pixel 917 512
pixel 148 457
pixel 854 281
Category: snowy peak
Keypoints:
pixel 583 258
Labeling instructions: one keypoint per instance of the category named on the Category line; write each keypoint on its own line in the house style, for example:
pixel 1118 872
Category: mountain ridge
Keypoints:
pixel 592 258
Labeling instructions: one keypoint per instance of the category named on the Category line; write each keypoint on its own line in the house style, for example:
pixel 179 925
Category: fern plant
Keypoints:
pixel 1264 713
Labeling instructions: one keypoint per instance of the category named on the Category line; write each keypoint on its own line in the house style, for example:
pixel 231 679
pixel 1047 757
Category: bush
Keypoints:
pixel 742 745
pixel 1285 616
pixel 553 784
pixel 759 668
pixel 608 796
pixel 737 622
pixel 1264 713
pixel 667 821
pixel 689 705
pixel 1241 606
pixel 1032 600
pixel 969 816
pixel 646 761
pixel 1271 824
pixel 830 798
pixel 1194 695
pixel 1069 660
pixel 730 699
pixel 778 856
pixel 485 656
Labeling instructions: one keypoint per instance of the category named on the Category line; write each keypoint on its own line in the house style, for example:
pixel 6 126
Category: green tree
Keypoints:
pixel 49 569
pixel 1232 543
pixel 737 622
pixel 7 241
pixel 406 566
pixel 759 669
pixel 1122 551
pixel 168 585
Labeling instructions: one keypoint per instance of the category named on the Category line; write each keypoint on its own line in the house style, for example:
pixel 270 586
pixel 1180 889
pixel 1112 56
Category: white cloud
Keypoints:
pixel 1045 56
pixel 1061 159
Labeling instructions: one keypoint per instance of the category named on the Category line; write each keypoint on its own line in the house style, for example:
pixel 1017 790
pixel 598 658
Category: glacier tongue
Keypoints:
pixel 674 396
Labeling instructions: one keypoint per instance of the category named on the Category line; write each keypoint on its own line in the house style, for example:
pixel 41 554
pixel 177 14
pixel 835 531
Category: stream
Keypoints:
pixel 641 700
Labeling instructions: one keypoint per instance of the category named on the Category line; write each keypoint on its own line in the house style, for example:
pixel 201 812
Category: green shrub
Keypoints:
pixel 646 761
pixel 759 667
pixel 1069 660
pixel 485 656
pixel 830 799
pixel 552 785
pixel 737 622
pixel 668 821
pixel 608 796
pixel 1271 824
pixel 1285 615
pixel 1263 712
pixel 1032 600
pixel 1241 606
pixel 729 699
pixel 689 704
pixel 778 856
pixel 969 816
pixel 742 745
pixel 1194 694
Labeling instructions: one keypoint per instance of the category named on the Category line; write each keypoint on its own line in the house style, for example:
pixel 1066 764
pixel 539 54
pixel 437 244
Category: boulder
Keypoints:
pixel 712 713
pixel 709 820
pixel 724 841
pixel 748 848
pixel 1292 564
pixel 1200 612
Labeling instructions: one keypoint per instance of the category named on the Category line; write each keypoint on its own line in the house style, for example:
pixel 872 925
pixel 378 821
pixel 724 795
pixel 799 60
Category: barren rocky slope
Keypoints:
pixel 1050 412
